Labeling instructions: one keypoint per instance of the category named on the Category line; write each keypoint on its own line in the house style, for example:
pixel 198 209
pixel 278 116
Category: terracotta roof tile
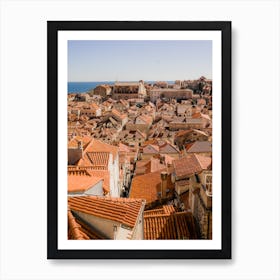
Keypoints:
pixel 200 147
pixel 97 159
pixel 74 229
pixel 99 146
pixel 118 114
pixel 79 230
pixel 90 171
pixel 168 148
pixel 146 119
pixel 148 186
pixel 124 148
pixel 186 166
pixel 81 183
pixel 151 149
pixel 205 162
pixel 165 209
pixel 122 210
pixel 165 224
pixel 105 175
pixel 73 143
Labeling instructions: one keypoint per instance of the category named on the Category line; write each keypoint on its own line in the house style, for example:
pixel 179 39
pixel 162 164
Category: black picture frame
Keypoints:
pixel 53 27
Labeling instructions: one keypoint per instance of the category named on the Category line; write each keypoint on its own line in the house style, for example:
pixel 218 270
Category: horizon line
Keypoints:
pixel 157 80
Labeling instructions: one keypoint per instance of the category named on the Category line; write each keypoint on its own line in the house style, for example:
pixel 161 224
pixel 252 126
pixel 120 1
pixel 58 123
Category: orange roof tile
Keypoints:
pixel 79 230
pixel 156 165
pixel 73 143
pixel 151 149
pixel 90 171
pixel 186 166
pixel 99 146
pixel 118 114
pixel 167 147
pixel 190 165
pixel 124 148
pixel 105 175
pixel 81 183
pixel 171 225
pixel 199 147
pixel 122 210
pixel 148 186
pixel 95 106
pixel 146 119
pixel 74 229
pixel 196 116
pixel 165 209
pixel 205 162
pixel 97 159
pixel 150 141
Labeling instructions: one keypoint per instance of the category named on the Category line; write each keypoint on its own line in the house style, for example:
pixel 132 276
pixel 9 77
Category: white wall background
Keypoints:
pixel 255 129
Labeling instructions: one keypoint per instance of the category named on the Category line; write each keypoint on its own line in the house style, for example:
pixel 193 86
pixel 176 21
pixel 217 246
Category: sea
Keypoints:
pixel 81 87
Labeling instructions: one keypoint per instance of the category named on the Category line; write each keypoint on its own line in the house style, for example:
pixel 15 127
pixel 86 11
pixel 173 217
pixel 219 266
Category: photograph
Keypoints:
pixel 139 140
pixel 140 159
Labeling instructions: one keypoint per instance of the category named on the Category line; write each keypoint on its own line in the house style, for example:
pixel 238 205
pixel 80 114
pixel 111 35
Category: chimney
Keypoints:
pixel 80 145
pixel 75 154
pixel 163 176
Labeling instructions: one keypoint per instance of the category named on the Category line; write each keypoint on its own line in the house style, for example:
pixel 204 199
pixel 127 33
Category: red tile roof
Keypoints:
pixel 155 165
pixel 122 210
pixel 118 114
pixel 205 162
pixel 74 229
pixel 200 147
pixel 190 165
pixel 90 171
pixel 95 106
pixel 79 230
pixel 105 175
pixel 165 209
pixel 151 149
pixel 173 225
pixel 99 146
pixel 186 166
pixel 146 119
pixel 124 148
pixel 81 183
pixel 168 148
pixel 148 186
pixel 73 143
pixel 96 159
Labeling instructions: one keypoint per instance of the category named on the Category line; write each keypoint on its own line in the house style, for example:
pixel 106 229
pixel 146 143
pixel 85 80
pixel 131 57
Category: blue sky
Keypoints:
pixel 138 60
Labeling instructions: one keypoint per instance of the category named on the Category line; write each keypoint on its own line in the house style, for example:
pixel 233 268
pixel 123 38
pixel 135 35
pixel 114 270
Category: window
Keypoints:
pixel 208 182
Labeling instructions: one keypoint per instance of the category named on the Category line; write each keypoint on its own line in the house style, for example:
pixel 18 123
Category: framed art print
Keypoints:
pixel 139 140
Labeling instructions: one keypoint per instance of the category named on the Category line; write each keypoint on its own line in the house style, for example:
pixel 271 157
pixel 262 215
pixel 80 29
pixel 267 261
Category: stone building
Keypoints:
pixel 108 218
pixel 170 93
pixel 96 155
pixel 128 90
pixel 102 90
pixel 193 189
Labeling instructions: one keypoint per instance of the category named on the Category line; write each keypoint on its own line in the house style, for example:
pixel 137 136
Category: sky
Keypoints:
pixel 127 60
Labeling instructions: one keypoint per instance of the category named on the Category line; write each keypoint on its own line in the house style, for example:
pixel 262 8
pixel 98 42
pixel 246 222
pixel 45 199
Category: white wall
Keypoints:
pixel 104 226
pixel 23 85
pixel 97 189
pixel 114 176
